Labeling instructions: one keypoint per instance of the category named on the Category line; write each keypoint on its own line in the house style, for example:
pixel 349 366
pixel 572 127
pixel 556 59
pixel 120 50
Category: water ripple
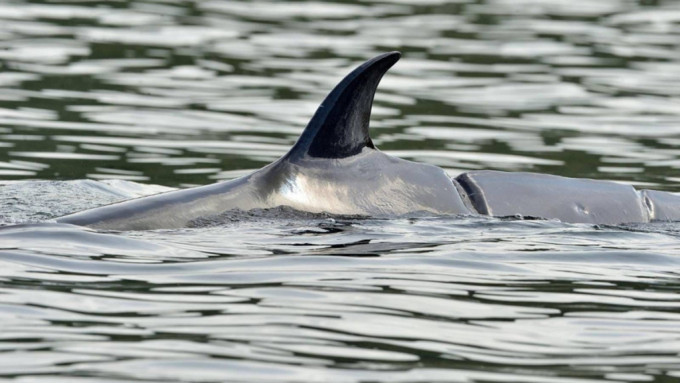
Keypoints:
pixel 185 93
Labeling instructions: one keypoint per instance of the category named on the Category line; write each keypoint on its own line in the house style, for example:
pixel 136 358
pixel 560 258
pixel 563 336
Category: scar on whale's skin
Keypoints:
pixel 334 167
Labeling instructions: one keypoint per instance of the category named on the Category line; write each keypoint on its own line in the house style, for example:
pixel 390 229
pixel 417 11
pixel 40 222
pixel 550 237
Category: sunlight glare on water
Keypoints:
pixel 102 101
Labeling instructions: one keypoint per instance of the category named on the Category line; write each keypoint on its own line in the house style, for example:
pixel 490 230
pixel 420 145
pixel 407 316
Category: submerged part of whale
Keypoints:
pixel 334 167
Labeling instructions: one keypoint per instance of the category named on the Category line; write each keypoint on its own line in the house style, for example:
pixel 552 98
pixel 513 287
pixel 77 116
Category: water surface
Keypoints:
pixel 102 101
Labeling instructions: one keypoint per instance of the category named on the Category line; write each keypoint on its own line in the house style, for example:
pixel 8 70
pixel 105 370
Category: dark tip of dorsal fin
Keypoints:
pixel 339 127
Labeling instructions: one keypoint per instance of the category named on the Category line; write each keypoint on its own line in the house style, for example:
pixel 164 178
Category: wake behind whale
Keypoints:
pixel 335 168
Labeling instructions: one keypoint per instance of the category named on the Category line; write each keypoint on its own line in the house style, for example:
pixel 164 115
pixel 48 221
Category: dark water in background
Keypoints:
pixel 176 93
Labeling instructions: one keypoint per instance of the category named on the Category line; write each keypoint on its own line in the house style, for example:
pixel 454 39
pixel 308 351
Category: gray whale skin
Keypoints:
pixel 335 168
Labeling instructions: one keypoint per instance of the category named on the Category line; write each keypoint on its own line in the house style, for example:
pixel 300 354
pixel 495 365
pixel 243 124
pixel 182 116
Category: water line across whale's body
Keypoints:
pixel 335 168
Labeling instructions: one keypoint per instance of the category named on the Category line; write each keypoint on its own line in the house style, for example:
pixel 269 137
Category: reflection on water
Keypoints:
pixel 154 88
pixel 299 297
pixel 182 93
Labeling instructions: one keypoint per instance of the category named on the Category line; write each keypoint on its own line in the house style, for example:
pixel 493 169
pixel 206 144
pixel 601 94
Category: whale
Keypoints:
pixel 335 168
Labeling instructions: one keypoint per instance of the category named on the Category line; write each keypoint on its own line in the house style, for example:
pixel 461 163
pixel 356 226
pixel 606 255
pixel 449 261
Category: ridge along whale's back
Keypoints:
pixel 333 167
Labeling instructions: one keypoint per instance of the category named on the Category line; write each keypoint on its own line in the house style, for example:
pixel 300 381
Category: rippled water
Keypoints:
pixel 108 100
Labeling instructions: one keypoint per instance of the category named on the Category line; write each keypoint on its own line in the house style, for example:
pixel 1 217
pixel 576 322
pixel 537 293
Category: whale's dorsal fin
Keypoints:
pixel 339 127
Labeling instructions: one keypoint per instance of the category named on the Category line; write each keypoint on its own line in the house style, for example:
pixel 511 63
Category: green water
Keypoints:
pixel 179 93
pixel 105 100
